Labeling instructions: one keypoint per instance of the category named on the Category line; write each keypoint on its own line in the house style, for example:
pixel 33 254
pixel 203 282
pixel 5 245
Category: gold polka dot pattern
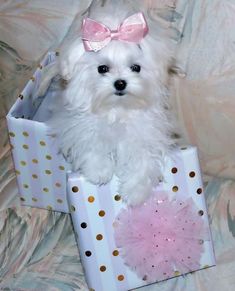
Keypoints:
pixel 42 143
pixel 44 168
pixel 96 222
pixel 192 174
pixel 91 199
pixel 75 189
pixel 115 253
pixel 174 170
pixel 120 277
pixel 48 172
pixel 39 169
pixel 72 208
pixel 101 213
pixel 175 188
pixel 12 134
pixel 102 268
pixel 117 197
pixel 199 191
pixel 99 236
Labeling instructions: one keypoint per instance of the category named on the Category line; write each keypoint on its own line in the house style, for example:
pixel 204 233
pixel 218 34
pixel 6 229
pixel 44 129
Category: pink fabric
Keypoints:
pixel 161 237
pixel 96 35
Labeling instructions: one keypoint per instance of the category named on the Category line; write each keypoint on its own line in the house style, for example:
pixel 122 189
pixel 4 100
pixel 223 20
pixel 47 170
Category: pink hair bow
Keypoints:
pixel 96 35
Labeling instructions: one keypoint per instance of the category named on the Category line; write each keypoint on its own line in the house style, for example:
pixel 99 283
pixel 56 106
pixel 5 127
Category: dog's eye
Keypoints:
pixel 103 69
pixel 135 68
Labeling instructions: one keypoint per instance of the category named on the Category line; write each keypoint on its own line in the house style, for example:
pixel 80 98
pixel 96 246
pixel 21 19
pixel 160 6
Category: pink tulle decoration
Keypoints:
pixel 161 237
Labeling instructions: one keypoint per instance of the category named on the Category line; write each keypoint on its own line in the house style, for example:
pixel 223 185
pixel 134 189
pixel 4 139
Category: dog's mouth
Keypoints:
pixel 119 93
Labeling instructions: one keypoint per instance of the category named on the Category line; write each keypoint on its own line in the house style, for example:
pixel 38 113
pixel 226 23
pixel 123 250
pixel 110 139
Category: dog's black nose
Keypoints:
pixel 120 85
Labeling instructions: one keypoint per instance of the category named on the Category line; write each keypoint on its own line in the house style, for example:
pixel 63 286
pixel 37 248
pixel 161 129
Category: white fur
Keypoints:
pixel 103 134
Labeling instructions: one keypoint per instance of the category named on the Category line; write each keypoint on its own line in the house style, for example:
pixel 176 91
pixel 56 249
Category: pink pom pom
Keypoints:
pixel 161 237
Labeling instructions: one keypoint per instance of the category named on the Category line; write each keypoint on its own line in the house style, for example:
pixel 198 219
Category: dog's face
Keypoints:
pixel 121 75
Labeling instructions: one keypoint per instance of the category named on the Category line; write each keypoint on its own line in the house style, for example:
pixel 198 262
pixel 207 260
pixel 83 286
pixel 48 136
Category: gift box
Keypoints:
pixel 121 247
pixel 40 170
pixel 118 243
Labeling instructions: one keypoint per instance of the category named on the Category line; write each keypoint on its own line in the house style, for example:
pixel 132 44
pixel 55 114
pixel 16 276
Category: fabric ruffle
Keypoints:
pixel 162 237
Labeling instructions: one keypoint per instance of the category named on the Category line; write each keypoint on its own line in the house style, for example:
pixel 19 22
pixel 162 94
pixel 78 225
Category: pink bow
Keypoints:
pixel 96 35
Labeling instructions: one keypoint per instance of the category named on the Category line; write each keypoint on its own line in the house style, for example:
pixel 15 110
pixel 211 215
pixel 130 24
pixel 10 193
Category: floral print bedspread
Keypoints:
pixel 37 247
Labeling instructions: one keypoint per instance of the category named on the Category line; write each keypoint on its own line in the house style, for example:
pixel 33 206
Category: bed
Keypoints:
pixel 38 250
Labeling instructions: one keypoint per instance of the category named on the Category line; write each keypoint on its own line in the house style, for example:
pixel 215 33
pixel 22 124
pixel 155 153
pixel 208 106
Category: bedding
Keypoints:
pixel 206 53
pixel 37 247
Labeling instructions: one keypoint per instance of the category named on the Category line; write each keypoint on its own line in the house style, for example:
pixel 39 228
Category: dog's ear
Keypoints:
pixel 158 46
pixel 158 53
pixel 70 55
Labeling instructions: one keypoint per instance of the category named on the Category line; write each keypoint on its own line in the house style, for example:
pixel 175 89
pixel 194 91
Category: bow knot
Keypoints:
pixel 96 35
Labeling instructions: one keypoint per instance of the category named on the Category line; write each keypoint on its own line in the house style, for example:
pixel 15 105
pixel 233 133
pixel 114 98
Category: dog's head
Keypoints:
pixel 122 74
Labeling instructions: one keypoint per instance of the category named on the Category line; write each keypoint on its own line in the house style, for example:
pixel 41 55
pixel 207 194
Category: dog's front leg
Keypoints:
pixel 138 175
pixel 97 167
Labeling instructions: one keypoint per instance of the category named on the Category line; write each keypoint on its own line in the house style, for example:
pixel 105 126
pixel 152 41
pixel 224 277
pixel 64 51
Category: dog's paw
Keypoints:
pixel 98 171
pixel 136 194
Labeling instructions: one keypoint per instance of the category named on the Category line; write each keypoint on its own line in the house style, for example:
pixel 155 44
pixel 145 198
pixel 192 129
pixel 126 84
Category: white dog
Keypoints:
pixel 113 116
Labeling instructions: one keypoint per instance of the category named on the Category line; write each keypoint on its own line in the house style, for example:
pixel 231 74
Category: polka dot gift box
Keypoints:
pixel 123 248
pixel 40 170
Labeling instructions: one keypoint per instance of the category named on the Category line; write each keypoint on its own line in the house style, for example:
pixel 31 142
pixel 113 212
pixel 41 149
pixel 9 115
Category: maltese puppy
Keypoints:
pixel 113 116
